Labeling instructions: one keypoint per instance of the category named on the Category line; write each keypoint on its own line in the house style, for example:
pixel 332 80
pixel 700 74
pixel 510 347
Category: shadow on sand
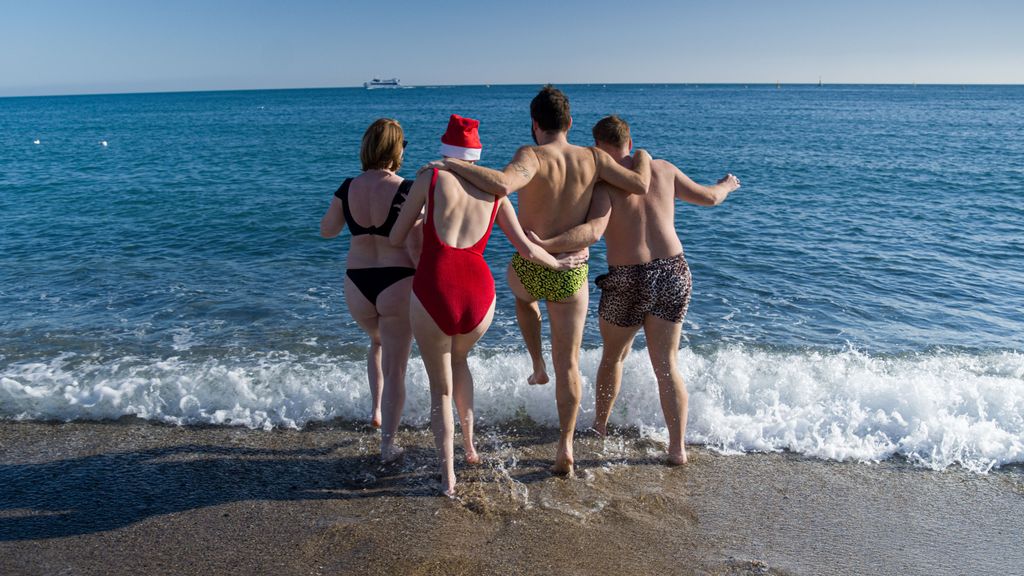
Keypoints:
pixel 107 491
pixel 95 493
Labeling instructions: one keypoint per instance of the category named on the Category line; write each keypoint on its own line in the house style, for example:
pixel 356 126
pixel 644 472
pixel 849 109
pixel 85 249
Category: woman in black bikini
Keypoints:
pixel 378 279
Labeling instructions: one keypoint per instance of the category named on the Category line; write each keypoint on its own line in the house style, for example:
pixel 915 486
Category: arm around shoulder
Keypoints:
pixel 500 183
pixel 635 181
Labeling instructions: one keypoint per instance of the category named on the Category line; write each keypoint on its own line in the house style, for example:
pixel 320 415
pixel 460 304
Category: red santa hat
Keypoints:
pixel 461 140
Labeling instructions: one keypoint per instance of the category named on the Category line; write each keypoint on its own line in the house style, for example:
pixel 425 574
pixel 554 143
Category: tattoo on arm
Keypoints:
pixel 520 169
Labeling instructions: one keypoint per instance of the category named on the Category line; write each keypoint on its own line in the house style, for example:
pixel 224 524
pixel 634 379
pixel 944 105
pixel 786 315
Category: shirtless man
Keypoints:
pixel 555 181
pixel 648 282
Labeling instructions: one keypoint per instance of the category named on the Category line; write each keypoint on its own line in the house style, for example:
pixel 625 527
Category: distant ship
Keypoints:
pixel 385 83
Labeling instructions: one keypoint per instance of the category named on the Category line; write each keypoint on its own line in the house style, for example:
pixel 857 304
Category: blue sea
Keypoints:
pixel 860 297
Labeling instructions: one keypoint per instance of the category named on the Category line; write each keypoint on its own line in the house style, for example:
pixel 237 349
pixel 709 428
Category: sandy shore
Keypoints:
pixel 136 498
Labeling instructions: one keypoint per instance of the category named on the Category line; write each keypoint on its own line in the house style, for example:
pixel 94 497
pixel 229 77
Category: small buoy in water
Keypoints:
pixel 36 141
pixel 103 143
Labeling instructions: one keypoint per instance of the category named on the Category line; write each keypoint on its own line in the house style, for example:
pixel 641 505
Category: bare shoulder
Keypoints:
pixel 446 177
pixel 525 163
pixel 661 165
pixel 447 183
pixel 541 153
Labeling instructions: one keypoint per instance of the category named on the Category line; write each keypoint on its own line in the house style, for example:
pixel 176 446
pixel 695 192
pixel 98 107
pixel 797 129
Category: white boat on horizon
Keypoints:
pixel 382 83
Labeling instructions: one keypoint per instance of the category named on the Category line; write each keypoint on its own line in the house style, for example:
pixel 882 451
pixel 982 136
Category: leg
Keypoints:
pixel 396 336
pixel 567 319
pixel 435 349
pixel 462 382
pixel 528 317
pixel 617 341
pixel 374 372
pixel 663 347
pixel 365 314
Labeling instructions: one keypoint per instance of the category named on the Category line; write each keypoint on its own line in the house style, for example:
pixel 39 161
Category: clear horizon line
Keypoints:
pixel 361 87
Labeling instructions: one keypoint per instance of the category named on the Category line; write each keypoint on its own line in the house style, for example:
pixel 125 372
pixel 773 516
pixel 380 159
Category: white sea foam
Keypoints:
pixel 937 409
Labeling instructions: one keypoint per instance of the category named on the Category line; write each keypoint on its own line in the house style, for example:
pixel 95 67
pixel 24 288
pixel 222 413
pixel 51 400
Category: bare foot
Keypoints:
pixel 538 377
pixel 389 454
pixel 375 419
pixel 448 486
pixel 677 459
pixel 600 429
pixel 563 465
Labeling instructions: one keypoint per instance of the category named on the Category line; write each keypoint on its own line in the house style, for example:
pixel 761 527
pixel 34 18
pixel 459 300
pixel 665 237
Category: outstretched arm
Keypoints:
pixel 585 234
pixel 411 209
pixel 510 226
pixel 517 174
pixel 334 219
pixel 689 191
pixel 633 181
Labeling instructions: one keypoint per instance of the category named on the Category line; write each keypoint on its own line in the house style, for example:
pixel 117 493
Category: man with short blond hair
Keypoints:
pixel 648 281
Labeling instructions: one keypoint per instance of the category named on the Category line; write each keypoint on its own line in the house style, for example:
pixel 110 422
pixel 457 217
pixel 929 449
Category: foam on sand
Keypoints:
pixel 936 409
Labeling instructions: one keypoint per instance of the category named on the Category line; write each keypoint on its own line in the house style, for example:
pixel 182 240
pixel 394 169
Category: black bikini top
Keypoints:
pixel 385 228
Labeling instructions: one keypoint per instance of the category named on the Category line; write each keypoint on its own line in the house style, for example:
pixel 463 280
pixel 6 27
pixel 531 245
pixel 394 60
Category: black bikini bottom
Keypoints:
pixel 372 281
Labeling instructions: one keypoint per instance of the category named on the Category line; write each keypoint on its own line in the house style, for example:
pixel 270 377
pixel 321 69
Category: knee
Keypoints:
pixel 394 376
pixel 612 362
pixel 568 370
pixel 566 362
pixel 670 377
pixel 527 308
pixel 440 392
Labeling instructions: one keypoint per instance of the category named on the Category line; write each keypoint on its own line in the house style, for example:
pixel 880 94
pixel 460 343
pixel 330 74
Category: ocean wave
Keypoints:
pixel 937 409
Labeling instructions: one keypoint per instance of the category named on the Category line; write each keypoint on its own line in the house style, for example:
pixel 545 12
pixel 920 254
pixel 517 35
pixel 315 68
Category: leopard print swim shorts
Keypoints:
pixel 660 287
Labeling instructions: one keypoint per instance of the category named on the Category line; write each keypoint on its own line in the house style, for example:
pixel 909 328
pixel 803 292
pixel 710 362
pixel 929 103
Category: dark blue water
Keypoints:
pixel 861 296
pixel 886 218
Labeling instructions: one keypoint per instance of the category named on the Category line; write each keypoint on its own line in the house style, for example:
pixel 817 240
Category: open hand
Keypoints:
pixel 448 162
pixel 567 260
pixel 439 164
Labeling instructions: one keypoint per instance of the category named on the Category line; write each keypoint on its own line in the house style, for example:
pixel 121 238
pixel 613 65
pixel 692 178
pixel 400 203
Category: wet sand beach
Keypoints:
pixel 130 497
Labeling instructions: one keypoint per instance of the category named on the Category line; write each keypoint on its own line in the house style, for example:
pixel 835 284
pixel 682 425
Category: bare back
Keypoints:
pixel 558 196
pixel 369 200
pixel 642 227
pixel 462 213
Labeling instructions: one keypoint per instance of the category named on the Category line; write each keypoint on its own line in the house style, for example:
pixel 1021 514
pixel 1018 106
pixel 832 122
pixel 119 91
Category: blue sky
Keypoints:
pixel 65 47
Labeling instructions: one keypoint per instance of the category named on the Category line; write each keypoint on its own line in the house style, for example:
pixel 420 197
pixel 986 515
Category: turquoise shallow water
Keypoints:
pixel 886 222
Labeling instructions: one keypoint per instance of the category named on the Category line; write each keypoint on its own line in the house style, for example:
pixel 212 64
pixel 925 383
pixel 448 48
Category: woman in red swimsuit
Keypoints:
pixel 453 290
pixel 378 276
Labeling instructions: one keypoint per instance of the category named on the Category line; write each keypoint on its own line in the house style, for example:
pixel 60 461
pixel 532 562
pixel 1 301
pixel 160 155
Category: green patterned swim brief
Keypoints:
pixel 546 284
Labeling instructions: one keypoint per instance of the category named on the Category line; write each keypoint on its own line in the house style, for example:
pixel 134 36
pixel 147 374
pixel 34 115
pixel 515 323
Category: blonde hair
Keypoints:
pixel 382 145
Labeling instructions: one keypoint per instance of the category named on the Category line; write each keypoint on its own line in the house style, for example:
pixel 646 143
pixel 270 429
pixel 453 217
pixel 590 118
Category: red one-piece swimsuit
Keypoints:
pixel 454 285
